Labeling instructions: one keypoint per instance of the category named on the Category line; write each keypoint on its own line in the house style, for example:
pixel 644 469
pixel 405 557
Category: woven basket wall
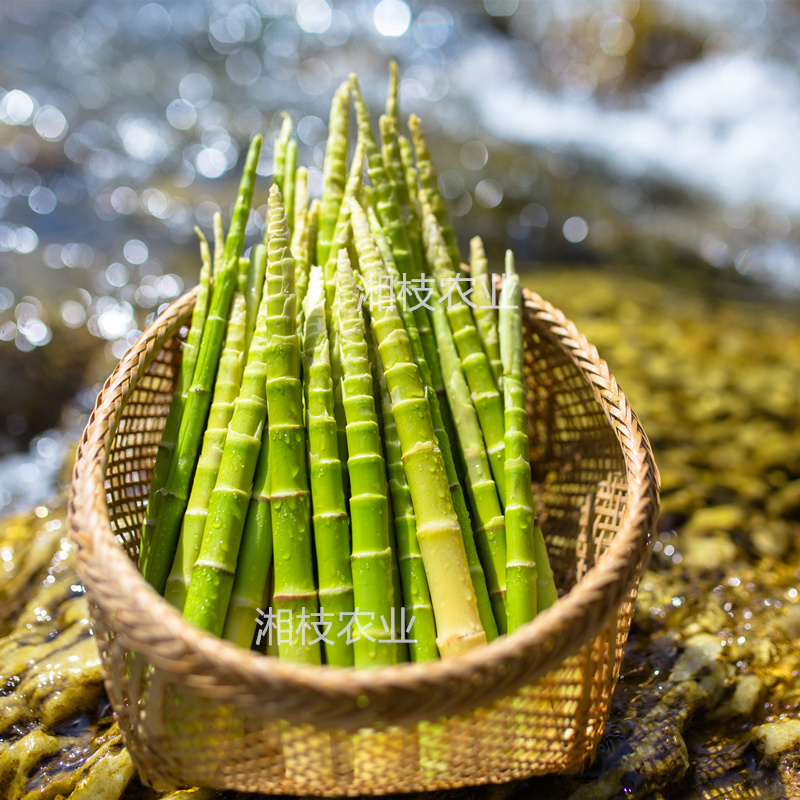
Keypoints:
pixel 197 711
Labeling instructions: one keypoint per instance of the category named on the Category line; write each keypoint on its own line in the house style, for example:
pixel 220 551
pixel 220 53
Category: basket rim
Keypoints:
pixel 343 697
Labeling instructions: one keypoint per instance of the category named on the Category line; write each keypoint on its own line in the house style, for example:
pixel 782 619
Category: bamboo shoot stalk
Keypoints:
pixel 386 204
pixel 416 595
pixel 219 241
pixel 388 212
pixel 241 280
pixel 393 162
pixel 254 560
pixel 430 185
pixel 368 196
pixel 279 154
pixel 398 604
pixel 371 557
pixel 289 171
pixel 313 232
pixel 412 178
pixel 169 436
pixel 299 233
pixel 341 233
pixel 481 489
pixel 301 201
pixel 255 549
pixel 483 310
pixel 334 170
pixel 330 521
pixel 304 249
pixel 341 239
pixel 422 313
pixel 439 534
pixel 155 562
pixel 214 571
pixel 485 396
pixel 254 290
pixel 263 634
pixel 521 568
pixel 397 623
pixel 290 503
pixel 392 110
pixel 338 405
pixel 546 593
pixel 226 390
pixel 447 444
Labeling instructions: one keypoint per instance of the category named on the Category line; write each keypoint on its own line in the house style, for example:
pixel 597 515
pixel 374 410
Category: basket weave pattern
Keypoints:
pixel 197 711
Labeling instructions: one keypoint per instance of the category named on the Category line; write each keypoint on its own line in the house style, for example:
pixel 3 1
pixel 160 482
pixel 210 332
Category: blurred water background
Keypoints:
pixel 659 136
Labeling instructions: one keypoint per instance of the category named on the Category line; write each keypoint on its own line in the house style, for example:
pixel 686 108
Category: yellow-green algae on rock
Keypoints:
pixel 58 738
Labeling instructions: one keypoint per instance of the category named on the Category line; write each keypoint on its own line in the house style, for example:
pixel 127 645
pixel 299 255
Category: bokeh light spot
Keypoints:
pixel 451 184
pixel 500 8
pixel 117 274
pixel 575 229
pixel 26 240
pixel 433 27
pixel 196 89
pixel 474 155
pixel 17 107
pixel 462 204
pixel 616 37
pixel 135 251
pixel 533 215
pixel 243 67
pixel 152 21
pixel 489 193
pixel 314 16
pixel 50 124
pixel 124 200
pixel 181 115
pixel 312 130
pixel 73 314
pixel 739 213
pixel 35 331
pixel 392 17
pixel 143 138
pixel 42 200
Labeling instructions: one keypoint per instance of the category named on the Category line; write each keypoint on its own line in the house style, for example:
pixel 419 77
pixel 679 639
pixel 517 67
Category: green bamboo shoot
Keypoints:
pixel 226 390
pixel 295 592
pixel 485 314
pixel 369 513
pixel 334 170
pixel 213 575
pixel 449 446
pixel 169 437
pixel 521 569
pixel 330 520
pixel 155 562
pixel 439 534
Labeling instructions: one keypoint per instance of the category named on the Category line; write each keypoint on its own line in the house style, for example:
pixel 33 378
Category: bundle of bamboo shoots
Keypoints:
pixel 344 472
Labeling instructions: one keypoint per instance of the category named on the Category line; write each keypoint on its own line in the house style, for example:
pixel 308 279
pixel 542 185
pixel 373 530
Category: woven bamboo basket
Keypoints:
pixel 196 711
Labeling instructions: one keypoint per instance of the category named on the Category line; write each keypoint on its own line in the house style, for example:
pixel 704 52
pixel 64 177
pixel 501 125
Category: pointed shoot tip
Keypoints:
pixel 510 264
